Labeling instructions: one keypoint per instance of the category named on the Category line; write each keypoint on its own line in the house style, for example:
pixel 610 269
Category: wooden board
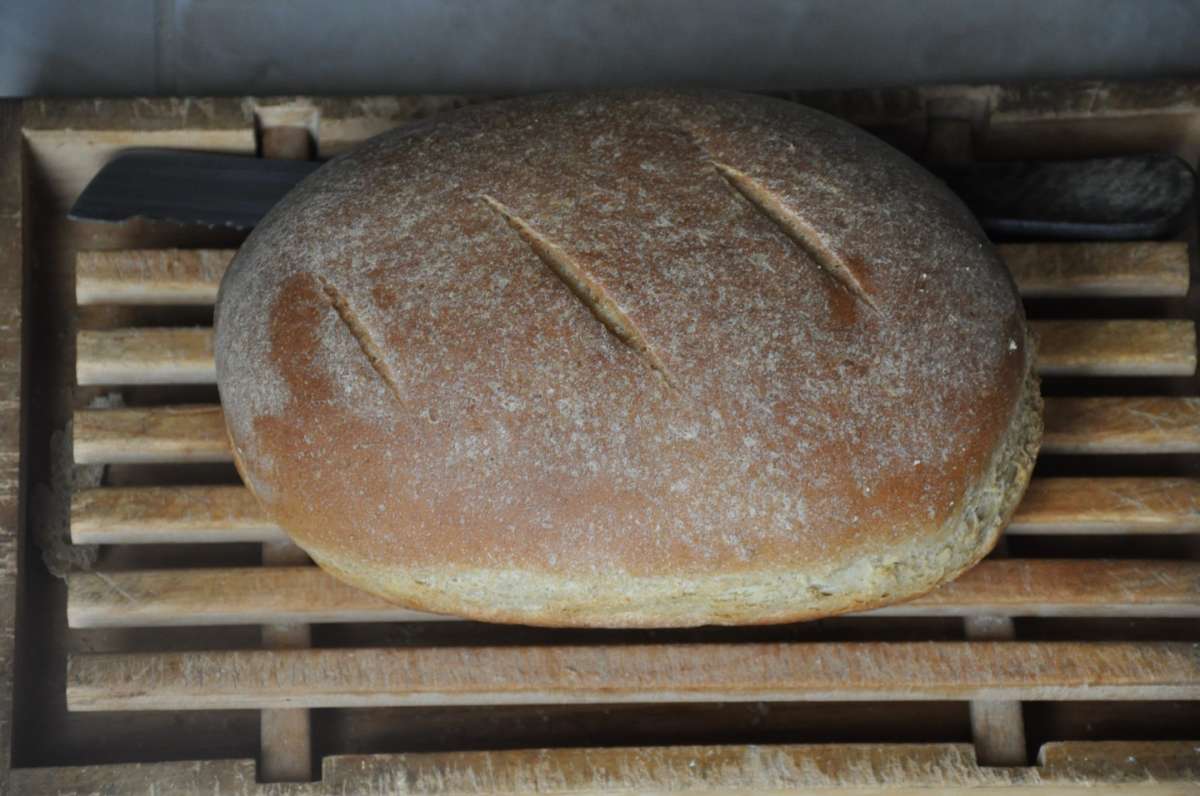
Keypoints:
pixel 318 678
pixel 1141 328
pixel 1002 587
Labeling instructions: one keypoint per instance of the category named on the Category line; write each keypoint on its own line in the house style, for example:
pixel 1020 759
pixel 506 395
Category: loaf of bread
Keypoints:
pixel 629 359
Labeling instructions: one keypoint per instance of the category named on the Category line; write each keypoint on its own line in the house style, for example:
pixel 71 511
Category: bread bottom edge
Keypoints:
pixel 746 598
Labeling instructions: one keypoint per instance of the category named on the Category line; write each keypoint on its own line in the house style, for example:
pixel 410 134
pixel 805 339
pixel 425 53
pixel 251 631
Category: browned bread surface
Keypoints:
pixel 629 359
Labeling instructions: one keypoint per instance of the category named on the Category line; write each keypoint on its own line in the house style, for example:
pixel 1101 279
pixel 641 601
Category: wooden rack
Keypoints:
pixel 1122 443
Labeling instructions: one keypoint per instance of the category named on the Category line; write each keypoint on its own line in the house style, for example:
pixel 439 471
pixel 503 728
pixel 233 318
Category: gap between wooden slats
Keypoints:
pixel 656 673
pixel 1073 425
pixel 191 276
pixel 191 514
pixel 1066 348
pixel 249 595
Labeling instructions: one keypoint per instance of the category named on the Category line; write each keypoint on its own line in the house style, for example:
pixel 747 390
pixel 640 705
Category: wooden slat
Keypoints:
pixel 236 596
pixel 1001 587
pixel 1116 348
pixel 145 356
pixel 1067 348
pixel 1110 270
pixel 1144 268
pixel 161 434
pixel 1146 768
pixel 1108 506
pixel 1122 425
pixel 1073 425
pixel 169 514
pixel 651 673
pixel 191 514
pixel 150 276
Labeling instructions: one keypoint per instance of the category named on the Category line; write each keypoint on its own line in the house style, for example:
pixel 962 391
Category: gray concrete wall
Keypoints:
pixel 129 47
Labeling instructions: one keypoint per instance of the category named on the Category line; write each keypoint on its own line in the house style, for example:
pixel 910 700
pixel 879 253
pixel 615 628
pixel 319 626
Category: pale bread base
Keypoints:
pixel 760 597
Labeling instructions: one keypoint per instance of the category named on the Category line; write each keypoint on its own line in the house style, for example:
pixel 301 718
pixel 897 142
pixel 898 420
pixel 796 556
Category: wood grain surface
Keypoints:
pixel 161 434
pixel 1108 506
pixel 204 680
pixel 169 514
pixel 150 276
pixel 1116 348
pixel 1122 425
pixel 1100 270
pixel 145 356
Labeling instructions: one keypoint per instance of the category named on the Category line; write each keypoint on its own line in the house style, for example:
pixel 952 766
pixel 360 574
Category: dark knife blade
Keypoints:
pixel 188 187
pixel 1120 198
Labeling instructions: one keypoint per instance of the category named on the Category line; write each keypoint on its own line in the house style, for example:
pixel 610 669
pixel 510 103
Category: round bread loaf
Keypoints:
pixel 629 359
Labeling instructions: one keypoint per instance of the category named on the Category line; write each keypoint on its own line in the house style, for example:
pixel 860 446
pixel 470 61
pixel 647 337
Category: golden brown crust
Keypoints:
pixel 627 359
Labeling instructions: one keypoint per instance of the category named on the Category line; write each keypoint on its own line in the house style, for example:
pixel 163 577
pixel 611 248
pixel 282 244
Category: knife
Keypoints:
pixel 1116 198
